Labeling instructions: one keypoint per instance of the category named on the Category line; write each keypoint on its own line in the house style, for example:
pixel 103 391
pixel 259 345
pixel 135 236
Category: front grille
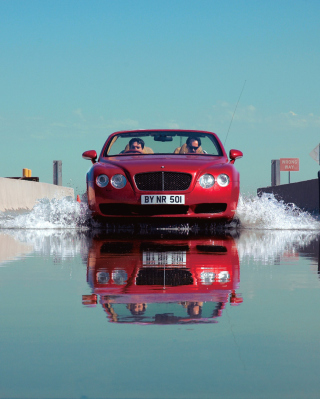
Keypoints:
pixel 160 276
pixel 163 181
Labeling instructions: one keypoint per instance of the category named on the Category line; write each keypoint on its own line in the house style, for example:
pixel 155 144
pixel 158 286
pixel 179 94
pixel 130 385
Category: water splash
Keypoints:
pixel 49 214
pixel 267 213
pixel 258 213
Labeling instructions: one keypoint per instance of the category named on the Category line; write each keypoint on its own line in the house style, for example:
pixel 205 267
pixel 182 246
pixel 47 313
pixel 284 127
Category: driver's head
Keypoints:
pixel 193 144
pixel 136 144
pixel 137 309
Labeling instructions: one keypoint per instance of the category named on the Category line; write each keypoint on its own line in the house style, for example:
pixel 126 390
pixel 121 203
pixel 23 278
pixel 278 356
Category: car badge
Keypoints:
pixel 162 167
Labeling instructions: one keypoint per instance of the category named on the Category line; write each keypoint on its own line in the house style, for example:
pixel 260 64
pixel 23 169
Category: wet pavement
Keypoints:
pixel 116 314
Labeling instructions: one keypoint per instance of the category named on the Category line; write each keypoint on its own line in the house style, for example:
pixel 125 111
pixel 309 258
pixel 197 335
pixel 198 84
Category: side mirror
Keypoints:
pixel 235 154
pixel 91 155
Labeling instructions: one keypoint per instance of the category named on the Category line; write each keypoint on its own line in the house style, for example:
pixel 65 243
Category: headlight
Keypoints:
pixel 118 181
pixel 119 277
pixel 223 277
pixel 223 180
pixel 102 180
pixel 206 181
pixel 103 277
pixel 207 277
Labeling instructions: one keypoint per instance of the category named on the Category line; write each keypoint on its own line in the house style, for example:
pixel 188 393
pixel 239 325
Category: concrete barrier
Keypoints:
pixel 304 194
pixel 20 194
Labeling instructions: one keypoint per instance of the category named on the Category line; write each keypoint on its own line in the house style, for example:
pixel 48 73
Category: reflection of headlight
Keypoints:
pixel 118 181
pixel 102 180
pixel 103 277
pixel 119 277
pixel 223 180
pixel 223 277
pixel 207 277
pixel 206 181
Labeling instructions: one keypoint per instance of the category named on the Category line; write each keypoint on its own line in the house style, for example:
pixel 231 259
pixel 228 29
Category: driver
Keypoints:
pixel 136 144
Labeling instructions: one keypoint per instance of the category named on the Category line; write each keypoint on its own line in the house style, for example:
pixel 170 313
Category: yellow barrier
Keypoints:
pixel 26 172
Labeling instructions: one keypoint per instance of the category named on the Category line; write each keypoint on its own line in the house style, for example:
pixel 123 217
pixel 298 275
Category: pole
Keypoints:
pixel 289 176
pixel 57 173
pixel 319 189
pixel 275 172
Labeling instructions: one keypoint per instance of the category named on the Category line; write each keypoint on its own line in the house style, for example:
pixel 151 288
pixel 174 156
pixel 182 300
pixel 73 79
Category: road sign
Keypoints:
pixel 289 164
pixel 315 153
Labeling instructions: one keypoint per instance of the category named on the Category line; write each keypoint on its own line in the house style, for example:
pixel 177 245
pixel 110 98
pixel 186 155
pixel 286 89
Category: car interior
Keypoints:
pixel 163 143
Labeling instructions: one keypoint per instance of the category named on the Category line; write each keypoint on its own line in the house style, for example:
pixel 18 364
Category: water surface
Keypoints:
pixel 99 313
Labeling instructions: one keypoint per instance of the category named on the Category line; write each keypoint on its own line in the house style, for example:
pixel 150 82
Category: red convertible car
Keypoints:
pixel 163 173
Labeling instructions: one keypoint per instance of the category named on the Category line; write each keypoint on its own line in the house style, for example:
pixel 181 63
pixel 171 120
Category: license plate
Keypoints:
pixel 162 199
pixel 164 258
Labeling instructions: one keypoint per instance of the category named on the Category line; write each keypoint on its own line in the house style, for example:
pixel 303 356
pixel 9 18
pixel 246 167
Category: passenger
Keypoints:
pixel 192 146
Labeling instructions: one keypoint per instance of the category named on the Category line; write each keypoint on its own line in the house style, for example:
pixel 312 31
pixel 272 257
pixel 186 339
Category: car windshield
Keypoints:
pixel 161 142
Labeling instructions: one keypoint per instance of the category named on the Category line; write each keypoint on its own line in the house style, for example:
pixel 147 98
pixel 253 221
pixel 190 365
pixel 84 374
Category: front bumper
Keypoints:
pixel 215 203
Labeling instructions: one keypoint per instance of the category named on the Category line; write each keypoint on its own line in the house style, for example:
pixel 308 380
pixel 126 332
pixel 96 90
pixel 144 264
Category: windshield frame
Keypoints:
pixel 164 134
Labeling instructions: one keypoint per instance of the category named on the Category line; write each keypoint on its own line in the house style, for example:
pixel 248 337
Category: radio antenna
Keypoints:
pixel 234 112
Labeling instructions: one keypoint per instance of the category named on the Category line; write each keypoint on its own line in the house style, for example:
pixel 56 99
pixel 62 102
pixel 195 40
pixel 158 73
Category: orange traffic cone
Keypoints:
pixel 78 198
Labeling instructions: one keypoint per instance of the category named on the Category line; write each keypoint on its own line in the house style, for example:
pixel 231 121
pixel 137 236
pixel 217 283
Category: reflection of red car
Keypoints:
pixel 176 173
pixel 165 281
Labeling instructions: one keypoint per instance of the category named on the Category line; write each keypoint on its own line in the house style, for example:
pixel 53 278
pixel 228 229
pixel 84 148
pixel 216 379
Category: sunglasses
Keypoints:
pixel 194 148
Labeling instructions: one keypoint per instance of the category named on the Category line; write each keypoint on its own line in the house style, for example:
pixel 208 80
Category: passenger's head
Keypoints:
pixel 136 144
pixel 194 309
pixel 193 143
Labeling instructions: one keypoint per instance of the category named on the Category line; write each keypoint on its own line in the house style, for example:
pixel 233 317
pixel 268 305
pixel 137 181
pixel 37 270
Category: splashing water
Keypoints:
pixel 49 214
pixel 267 213
pixel 258 213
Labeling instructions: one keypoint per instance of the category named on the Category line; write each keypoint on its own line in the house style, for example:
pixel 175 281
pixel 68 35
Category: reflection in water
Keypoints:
pixel 185 282
pixel 10 248
pixel 61 244
pixel 268 247
pixel 265 246
pixel 271 340
pixel 163 281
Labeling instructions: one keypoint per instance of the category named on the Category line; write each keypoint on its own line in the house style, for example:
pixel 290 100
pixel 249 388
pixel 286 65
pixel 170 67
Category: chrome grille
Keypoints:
pixel 163 181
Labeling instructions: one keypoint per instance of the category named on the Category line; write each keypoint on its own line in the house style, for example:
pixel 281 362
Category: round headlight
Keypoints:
pixel 207 277
pixel 118 181
pixel 223 277
pixel 119 277
pixel 103 277
pixel 223 180
pixel 206 181
pixel 102 180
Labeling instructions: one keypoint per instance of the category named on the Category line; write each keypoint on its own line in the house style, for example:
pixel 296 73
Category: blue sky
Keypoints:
pixel 72 72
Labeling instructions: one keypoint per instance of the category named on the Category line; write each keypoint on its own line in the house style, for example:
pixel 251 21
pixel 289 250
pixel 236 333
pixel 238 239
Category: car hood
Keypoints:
pixel 173 163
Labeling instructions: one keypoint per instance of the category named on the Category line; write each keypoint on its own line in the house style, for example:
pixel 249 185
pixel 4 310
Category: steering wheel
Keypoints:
pixel 133 152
